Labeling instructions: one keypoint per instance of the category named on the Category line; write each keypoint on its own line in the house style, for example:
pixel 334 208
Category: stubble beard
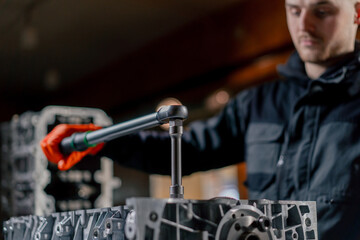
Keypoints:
pixel 315 56
pixel 325 56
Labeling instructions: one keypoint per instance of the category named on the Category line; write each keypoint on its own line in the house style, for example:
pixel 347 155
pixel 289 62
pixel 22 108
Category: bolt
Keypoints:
pixel 308 222
pixel 237 227
pixel 153 216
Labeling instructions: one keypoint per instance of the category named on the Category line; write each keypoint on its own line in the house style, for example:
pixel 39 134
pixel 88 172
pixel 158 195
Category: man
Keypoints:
pixel 299 136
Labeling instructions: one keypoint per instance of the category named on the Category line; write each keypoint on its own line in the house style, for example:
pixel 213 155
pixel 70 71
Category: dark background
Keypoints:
pixel 126 56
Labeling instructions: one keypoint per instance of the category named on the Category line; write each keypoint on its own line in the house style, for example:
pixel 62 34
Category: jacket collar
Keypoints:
pixel 294 69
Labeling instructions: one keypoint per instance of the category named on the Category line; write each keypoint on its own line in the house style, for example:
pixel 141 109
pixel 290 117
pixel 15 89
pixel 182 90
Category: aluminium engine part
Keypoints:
pixel 244 222
pixel 92 224
pixel 221 219
pixel 29 183
pixel 163 219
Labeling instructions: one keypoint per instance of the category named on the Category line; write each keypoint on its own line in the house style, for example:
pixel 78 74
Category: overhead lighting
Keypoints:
pixel 217 100
pixel 29 38
pixel 52 79
pixel 167 102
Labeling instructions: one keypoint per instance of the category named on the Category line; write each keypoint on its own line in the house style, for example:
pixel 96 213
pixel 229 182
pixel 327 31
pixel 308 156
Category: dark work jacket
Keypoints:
pixel 299 137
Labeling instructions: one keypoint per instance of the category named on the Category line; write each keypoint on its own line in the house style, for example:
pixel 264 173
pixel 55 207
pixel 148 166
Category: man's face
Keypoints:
pixel 322 30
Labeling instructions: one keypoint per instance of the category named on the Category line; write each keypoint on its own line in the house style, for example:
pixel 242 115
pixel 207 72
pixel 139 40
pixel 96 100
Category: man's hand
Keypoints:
pixel 50 145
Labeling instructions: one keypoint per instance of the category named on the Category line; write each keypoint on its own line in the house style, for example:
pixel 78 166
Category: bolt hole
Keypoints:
pixel 267 223
pixel 153 216
pixel 253 238
pixel 108 225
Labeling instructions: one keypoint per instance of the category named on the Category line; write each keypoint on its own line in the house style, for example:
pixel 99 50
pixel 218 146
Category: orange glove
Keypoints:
pixel 50 145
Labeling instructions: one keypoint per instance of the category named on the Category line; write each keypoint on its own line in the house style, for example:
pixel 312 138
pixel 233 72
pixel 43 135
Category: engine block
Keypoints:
pixel 157 219
pixel 30 184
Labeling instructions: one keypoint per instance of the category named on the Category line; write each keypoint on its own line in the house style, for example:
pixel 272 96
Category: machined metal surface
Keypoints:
pixel 160 219
pixel 76 225
pixel 176 131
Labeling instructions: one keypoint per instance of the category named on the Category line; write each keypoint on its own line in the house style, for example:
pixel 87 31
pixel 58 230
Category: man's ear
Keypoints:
pixel 357 13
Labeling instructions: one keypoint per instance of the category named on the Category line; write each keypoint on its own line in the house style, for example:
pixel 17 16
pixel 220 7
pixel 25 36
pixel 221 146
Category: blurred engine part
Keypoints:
pixel 32 185
pixel 157 219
